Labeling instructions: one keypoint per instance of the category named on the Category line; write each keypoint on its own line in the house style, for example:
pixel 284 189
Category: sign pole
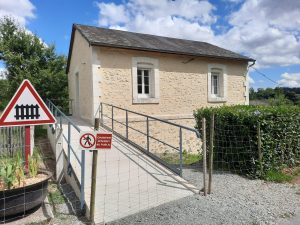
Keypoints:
pixel 24 109
pixel 27 145
pixel 94 141
pixel 94 178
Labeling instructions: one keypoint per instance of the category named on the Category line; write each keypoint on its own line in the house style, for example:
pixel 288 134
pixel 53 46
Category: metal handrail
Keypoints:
pixel 148 119
pixel 51 106
pixel 58 113
pixel 153 118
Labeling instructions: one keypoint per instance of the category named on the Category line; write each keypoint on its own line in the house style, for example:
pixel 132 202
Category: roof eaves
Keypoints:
pixel 171 52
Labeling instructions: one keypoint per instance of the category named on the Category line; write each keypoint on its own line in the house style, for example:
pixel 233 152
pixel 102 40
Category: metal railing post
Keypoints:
pixel 180 150
pixel 69 147
pixel 112 118
pixel 60 121
pixel 82 179
pixel 55 115
pixel 146 149
pixel 101 113
pixel 126 124
pixel 147 134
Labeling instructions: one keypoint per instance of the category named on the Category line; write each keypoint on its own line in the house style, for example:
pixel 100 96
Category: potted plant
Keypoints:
pixel 21 190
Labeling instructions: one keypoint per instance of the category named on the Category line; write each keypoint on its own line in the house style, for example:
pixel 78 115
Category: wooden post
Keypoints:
pixel 97 124
pixel 211 151
pixel 259 148
pixel 27 145
pixel 94 178
pixel 204 154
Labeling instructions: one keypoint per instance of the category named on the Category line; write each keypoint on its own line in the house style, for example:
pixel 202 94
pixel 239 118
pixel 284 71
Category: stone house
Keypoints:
pixel 160 76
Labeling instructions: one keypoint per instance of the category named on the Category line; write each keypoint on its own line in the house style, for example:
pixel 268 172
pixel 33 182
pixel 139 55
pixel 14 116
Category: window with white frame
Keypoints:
pixel 217 89
pixel 215 84
pixel 145 77
pixel 143 82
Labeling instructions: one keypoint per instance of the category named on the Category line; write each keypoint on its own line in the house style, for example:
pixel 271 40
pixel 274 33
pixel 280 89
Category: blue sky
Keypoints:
pixel 266 30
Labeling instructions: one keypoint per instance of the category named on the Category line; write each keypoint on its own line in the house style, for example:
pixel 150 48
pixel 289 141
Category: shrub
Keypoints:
pixel 236 137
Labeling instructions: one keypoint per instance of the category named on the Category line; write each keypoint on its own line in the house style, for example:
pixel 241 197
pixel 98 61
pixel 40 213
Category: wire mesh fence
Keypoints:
pixel 11 140
pixel 128 182
pixel 26 197
pixel 255 147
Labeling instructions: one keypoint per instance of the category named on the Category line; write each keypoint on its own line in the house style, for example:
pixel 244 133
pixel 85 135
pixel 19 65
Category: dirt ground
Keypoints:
pixel 295 172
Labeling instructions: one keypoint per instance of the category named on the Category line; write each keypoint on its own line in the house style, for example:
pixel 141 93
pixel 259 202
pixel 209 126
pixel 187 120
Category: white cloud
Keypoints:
pixel 20 10
pixel 265 30
pixel 290 80
pixel 261 29
pixel 110 13
pixel 183 18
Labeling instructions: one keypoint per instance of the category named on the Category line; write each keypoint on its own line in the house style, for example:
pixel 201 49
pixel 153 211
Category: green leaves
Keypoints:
pixel 34 161
pixel 7 173
pixel 12 168
pixel 26 56
pixel 236 136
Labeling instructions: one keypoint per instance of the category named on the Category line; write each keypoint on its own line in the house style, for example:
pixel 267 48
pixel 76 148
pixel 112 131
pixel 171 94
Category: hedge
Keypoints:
pixel 236 137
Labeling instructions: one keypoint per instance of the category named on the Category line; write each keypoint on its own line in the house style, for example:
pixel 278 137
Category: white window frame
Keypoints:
pixel 150 64
pixel 215 84
pixel 143 94
pixel 221 95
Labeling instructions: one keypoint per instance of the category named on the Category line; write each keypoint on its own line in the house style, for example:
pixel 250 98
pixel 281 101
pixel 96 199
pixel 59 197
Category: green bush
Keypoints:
pixel 236 137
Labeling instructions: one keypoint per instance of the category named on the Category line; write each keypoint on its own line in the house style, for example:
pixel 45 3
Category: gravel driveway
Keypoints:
pixel 235 200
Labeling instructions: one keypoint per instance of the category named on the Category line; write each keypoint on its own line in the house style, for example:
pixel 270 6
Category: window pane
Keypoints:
pixel 139 80
pixel 214 84
pixel 140 89
pixel 139 72
pixel 146 80
pixel 216 90
pixel 146 89
pixel 146 73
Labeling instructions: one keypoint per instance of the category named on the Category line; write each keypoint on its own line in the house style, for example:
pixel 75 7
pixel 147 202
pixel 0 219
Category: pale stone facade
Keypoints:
pixel 106 74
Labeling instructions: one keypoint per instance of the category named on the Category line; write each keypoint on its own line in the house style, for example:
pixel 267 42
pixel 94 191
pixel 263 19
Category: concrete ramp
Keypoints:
pixel 128 181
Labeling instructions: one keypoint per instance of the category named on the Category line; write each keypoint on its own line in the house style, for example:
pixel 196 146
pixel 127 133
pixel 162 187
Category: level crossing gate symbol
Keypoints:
pixel 27 112
pixel 87 140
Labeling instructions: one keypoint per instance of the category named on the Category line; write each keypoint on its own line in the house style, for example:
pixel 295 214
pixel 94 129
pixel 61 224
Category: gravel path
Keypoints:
pixel 235 200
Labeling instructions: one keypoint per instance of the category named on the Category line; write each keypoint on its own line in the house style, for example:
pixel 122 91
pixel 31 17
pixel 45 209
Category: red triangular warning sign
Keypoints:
pixel 26 108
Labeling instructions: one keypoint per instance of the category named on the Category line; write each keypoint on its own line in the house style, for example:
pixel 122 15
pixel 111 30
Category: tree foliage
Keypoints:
pixel 27 57
pixel 277 96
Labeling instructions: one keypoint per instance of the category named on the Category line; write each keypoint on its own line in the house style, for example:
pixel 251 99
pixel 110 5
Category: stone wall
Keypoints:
pixel 182 81
pixel 157 130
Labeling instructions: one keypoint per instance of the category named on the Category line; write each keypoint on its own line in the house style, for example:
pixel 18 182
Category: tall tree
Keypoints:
pixel 26 56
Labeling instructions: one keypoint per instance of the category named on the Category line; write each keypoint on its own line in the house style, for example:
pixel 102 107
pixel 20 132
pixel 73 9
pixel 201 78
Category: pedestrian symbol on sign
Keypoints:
pixel 87 140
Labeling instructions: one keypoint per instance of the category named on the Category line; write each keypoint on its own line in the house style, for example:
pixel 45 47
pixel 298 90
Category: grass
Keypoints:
pixel 54 195
pixel 173 158
pixel 278 176
pixel 40 131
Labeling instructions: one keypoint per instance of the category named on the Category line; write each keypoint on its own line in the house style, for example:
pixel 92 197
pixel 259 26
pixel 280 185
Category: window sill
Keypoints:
pixel 145 101
pixel 217 99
